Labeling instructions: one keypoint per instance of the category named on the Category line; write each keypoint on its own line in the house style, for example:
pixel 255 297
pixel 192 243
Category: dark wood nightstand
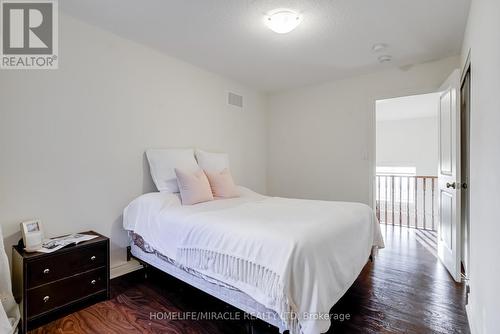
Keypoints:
pixel 48 286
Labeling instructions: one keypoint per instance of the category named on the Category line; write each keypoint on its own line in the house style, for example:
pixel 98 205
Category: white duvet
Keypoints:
pixel 296 257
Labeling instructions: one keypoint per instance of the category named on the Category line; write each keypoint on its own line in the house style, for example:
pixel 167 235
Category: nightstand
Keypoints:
pixel 48 286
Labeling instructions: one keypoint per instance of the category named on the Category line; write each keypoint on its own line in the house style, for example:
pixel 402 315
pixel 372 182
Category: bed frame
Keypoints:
pixel 222 291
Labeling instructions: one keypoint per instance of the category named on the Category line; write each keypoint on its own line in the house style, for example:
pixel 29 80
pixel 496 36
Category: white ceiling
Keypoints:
pixel 408 107
pixel 334 40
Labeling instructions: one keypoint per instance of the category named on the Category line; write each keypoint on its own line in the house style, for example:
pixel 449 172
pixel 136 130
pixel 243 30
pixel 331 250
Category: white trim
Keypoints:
pixel 125 268
pixel 472 326
pixel 465 67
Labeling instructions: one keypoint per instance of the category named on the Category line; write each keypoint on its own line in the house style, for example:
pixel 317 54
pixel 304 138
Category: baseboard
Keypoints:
pixel 125 268
pixel 472 327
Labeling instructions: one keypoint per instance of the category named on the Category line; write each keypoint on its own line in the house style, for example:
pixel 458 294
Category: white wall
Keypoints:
pixel 72 140
pixel 409 142
pixel 483 39
pixel 322 138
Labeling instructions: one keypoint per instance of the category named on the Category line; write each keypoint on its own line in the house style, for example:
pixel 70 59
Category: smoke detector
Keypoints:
pixel 385 59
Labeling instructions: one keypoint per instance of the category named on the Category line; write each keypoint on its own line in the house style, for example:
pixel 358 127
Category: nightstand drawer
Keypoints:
pixel 57 266
pixel 51 296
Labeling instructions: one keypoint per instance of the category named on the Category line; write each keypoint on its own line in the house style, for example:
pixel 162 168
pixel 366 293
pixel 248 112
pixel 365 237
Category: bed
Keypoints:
pixel 285 261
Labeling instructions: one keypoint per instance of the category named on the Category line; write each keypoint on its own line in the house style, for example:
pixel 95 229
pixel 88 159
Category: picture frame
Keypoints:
pixel 32 232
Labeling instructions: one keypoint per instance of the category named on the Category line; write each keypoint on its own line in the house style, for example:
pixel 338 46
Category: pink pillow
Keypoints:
pixel 222 184
pixel 194 186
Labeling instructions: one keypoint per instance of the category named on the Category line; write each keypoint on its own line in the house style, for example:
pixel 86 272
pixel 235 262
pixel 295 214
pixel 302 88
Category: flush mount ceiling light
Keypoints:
pixel 282 20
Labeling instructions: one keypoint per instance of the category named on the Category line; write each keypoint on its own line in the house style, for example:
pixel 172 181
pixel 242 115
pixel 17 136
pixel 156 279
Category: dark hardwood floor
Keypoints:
pixel 405 290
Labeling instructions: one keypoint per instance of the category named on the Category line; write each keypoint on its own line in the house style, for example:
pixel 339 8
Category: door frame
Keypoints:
pixel 371 153
pixel 467 69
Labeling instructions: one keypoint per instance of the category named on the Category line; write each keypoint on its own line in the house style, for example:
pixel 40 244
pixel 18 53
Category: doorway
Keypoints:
pixel 407 165
pixel 422 177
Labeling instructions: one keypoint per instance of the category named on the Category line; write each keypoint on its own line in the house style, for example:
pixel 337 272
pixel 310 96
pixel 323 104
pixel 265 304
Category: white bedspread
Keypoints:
pixel 290 255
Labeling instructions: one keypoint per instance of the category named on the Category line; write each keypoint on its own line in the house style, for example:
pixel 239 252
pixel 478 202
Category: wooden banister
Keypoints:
pixel 406 199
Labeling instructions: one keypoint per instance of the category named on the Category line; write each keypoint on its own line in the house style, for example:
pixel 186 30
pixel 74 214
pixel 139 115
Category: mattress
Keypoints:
pixel 138 242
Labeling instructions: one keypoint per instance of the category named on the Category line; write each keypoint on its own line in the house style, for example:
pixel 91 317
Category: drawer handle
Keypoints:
pixel 93 282
pixel 92 258
pixel 46 271
pixel 46 299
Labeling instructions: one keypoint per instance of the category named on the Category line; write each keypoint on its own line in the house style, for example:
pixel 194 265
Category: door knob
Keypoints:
pixel 451 185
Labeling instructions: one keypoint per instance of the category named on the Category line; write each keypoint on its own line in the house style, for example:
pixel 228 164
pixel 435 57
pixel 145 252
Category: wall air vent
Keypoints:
pixel 235 100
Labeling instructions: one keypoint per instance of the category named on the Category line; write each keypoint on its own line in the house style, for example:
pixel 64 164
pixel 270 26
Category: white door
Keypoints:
pixel 449 229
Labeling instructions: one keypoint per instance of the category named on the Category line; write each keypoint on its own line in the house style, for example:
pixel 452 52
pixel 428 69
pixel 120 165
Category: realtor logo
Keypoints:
pixel 29 34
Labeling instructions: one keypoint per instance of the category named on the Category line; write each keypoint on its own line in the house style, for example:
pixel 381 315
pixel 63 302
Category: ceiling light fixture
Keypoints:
pixel 282 20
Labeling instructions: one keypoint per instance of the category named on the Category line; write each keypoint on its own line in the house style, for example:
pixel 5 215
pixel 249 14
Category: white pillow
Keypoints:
pixel 212 162
pixel 162 164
